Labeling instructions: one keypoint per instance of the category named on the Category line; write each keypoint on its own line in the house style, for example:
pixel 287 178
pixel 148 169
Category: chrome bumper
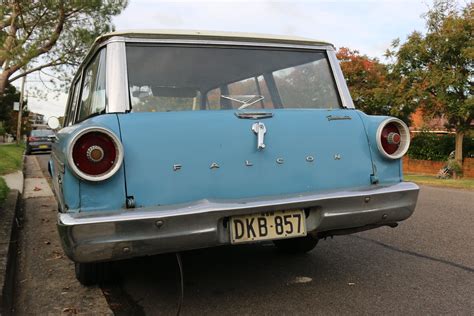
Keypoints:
pixel 104 236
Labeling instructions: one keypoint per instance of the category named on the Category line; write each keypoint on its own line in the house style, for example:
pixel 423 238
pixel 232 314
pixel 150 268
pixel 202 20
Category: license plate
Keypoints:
pixel 268 225
pixel 43 146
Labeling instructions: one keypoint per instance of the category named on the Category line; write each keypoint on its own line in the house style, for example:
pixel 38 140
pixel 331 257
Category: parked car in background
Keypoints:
pixel 183 140
pixel 39 140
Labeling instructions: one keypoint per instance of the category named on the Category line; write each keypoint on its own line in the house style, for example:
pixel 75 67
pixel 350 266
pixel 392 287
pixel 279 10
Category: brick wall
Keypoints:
pixel 432 167
pixel 468 168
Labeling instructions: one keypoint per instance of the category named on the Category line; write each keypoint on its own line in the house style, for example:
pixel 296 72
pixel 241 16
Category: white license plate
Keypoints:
pixel 267 225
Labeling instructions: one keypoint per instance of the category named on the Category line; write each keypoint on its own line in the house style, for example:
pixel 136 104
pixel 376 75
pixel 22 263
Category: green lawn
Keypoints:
pixel 11 157
pixel 465 183
pixel 3 190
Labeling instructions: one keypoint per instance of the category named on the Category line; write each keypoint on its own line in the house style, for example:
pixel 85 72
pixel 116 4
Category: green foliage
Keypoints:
pixel 10 96
pixel 370 84
pixel 430 146
pixel 57 34
pixel 455 167
pixel 434 70
pixel 11 157
pixel 3 190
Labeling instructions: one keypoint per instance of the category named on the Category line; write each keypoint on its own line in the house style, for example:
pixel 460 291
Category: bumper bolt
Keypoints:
pixel 159 223
pixel 367 200
pixel 384 216
pixel 126 249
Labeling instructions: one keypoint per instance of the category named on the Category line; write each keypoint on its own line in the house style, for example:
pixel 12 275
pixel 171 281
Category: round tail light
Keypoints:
pixel 393 138
pixel 95 154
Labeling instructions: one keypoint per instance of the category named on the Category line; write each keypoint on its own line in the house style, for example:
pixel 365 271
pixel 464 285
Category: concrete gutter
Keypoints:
pixel 9 212
pixel 8 249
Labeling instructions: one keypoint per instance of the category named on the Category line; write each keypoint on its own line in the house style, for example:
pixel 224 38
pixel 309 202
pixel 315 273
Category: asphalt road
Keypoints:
pixel 424 266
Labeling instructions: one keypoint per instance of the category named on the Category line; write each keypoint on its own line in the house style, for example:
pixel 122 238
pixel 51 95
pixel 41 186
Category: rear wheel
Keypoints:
pixel 28 150
pixel 92 273
pixel 296 245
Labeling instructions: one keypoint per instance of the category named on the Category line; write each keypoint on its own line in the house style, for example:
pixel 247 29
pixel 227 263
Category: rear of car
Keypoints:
pixel 39 140
pixel 173 144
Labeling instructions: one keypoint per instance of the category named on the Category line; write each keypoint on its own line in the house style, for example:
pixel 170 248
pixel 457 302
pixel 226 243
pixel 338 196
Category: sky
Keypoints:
pixel 368 26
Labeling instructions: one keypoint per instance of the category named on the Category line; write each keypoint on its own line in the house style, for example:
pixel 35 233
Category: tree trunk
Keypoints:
pixel 3 82
pixel 458 151
pixel 458 148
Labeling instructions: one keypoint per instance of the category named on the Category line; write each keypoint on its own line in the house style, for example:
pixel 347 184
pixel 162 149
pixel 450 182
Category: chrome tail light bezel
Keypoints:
pixel 117 163
pixel 404 138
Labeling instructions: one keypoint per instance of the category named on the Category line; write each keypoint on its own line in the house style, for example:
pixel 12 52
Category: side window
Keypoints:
pixel 73 103
pixel 93 97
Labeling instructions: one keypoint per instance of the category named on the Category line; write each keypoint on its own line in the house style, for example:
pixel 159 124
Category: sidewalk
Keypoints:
pixel 45 281
pixel 14 181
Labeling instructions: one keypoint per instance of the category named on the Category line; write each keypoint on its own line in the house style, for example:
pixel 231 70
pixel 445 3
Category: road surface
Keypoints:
pixel 424 266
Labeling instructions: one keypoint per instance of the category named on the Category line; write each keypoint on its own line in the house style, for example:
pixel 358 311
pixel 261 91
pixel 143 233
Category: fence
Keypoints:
pixel 432 167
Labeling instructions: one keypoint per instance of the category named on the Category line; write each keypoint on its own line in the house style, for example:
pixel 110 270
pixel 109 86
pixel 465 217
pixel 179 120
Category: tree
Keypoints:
pixel 55 34
pixel 435 70
pixel 7 115
pixel 368 83
pixel 9 96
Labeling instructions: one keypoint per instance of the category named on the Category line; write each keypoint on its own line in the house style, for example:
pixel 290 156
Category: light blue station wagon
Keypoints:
pixel 183 140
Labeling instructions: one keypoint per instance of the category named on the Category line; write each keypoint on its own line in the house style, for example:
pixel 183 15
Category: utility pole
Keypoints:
pixel 20 110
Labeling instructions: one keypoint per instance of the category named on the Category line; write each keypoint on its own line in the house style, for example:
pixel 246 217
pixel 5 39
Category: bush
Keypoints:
pixel 430 146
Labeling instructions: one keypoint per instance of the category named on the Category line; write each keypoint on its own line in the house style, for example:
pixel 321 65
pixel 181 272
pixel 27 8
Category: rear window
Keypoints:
pixel 184 78
pixel 42 132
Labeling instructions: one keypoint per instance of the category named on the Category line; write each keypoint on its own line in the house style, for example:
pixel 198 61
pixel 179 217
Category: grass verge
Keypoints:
pixel 465 183
pixel 10 158
pixel 3 190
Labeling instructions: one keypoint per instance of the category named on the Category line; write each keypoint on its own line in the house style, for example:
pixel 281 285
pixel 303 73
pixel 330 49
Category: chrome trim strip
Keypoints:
pixel 253 115
pixel 211 206
pixel 341 84
pixel 117 78
pixel 220 42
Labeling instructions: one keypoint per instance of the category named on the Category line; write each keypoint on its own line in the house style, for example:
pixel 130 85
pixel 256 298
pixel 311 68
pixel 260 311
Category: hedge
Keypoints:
pixel 430 146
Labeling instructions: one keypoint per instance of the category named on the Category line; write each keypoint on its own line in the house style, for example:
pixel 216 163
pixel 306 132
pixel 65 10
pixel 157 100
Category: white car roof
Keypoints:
pixel 213 35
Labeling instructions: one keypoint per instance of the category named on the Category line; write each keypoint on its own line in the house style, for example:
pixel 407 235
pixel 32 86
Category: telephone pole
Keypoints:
pixel 20 110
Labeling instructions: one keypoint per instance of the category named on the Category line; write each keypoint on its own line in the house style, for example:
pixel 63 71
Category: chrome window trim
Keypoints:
pixel 219 42
pixel 117 76
pixel 117 91
pixel 75 104
pixel 341 84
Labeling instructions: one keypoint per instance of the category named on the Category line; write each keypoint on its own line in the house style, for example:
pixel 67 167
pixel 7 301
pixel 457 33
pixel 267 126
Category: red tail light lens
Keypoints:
pixel 393 138
pixel 96 154
pixel 32 139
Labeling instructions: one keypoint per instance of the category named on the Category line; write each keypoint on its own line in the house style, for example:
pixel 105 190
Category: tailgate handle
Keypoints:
pixel 253 115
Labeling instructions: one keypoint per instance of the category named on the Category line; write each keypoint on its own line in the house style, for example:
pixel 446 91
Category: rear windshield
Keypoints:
pixel 42 132
pixel 180 78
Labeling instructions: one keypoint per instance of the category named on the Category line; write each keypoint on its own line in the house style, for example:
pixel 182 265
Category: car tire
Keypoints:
pixel 89 274
pixel 296 245
pixel 28 151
